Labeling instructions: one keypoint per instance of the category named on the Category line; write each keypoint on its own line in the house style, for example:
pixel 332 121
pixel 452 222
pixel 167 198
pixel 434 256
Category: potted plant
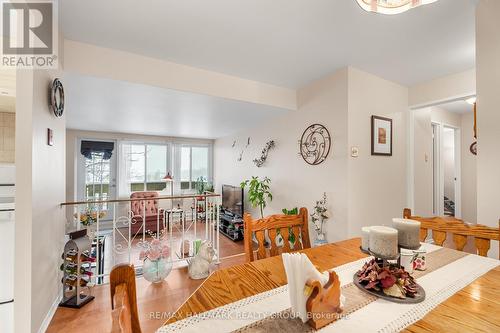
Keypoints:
pixel 200 186
pixel 291 235
pixel 258 192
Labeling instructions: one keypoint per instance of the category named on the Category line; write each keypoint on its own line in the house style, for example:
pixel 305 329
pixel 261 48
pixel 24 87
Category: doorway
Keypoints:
pixel 446 170
pixel 97 174
pixel 443 167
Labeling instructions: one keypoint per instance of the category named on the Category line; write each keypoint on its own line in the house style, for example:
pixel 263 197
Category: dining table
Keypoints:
pixel 474 307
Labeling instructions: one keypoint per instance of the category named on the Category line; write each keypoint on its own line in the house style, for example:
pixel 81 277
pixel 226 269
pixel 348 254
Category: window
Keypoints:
pixel 147 165
pixel 185 167
pixel 199 165
pixel 144 165
pixel 194 164
pixel 156 163
pixel 136 169
pixel 97 178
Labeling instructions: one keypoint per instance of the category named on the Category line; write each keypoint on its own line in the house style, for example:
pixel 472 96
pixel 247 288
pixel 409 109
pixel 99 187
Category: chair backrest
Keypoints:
pixel 121 314
pixel 286 224
pixel 150 202
pixel 460 230
pixel 123 299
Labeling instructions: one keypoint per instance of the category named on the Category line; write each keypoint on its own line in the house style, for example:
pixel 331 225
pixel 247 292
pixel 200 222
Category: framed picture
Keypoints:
pixel 381 136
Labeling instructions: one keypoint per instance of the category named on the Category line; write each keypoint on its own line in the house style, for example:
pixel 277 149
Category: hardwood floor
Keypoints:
pixel 155 301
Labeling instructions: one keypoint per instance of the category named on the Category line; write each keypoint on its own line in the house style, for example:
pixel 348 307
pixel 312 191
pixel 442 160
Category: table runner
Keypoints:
pixel 378 315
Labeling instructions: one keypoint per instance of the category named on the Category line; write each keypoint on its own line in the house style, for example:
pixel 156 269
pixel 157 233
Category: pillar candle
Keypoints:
pixel 365 238
pixel 384 242
pixel 408 233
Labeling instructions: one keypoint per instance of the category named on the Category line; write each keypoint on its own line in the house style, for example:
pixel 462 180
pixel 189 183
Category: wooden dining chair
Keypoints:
pixel 123 300
pixel 442 226
pixel 271 225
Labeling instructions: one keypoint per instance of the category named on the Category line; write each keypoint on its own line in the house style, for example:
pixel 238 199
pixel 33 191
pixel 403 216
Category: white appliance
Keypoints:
pixel 7 198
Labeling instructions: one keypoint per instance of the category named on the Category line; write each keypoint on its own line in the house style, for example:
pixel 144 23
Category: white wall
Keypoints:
pixel 294 182
pixel 439 115
pixel 488 115
pixel 40 188
pixel 443 89
pixel 423 183
pixel 377 184
pixel 469 170
pixel 361 191
pixel 103 62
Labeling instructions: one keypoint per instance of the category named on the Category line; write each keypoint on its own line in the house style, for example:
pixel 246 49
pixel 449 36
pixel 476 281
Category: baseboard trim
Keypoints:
pixel 48 318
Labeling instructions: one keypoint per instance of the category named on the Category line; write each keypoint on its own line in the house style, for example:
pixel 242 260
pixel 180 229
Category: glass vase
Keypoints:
pixel 156 271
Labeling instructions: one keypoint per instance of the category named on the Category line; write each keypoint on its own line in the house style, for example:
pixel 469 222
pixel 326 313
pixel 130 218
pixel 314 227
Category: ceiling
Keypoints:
pixel 98 104
pixel 284 42
pixel 459 106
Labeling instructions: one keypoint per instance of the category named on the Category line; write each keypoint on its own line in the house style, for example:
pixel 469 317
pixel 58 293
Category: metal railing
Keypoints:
pixel 119 228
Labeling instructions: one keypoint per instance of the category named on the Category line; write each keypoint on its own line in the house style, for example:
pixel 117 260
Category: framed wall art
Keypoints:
pixel 381 136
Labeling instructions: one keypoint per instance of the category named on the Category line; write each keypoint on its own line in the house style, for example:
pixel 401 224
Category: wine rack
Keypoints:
pixel 76 267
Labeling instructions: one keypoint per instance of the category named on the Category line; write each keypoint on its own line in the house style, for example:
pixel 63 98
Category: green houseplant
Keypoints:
pixel 291 235
pixel 258 192
pixel 201 185
pixel 293 211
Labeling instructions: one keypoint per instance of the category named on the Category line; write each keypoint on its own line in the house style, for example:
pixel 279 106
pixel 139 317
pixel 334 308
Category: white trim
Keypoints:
pixel 410 159
pixel 458 167
pixel 436 193
pixel 48 318
pixel 440 168
pixel 410 129
pixel 443 101
pixel 458 173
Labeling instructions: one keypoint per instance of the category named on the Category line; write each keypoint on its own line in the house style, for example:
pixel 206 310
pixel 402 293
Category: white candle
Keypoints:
pixel 407 260
pixel 384 242
pixel 365 238
pixel 408 233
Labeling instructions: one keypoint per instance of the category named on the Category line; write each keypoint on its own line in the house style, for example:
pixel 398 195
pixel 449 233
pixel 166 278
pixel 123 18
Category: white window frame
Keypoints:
pixel 80 180
pixel 146 144
pixel 177 164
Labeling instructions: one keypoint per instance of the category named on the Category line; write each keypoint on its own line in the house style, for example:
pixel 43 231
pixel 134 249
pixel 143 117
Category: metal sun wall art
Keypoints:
pixel 315 144
pixel 260 161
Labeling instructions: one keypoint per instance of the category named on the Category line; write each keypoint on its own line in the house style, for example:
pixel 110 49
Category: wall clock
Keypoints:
pixel 57 98
pixel 315 144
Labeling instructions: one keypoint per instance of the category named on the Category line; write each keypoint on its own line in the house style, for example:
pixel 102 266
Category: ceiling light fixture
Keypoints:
pixel 471 100
pixel 391 6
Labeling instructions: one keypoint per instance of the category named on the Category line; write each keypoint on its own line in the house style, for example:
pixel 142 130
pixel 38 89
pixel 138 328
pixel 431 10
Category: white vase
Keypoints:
pixel 320 240
pixel 156 270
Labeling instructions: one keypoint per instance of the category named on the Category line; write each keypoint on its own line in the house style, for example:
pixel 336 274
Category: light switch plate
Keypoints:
pixel 50 137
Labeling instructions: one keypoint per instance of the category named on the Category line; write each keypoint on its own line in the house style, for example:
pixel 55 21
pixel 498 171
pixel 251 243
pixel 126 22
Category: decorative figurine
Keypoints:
pixel 199 266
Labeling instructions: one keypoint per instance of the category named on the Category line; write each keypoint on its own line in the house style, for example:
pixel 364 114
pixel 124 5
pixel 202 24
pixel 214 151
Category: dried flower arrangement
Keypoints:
pixel 319 216
pixel 89 216
pixel 391 280
pixel 155 249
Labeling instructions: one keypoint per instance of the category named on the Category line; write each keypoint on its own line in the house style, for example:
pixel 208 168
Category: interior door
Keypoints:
pixel 97 180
